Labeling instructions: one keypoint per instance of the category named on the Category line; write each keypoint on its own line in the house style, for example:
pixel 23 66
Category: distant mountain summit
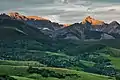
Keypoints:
pixel 18 16
pixel 92 21
pixel 114 23
pixel 66 25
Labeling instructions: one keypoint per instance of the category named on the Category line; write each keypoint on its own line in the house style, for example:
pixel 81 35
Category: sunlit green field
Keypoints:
pixel 20 73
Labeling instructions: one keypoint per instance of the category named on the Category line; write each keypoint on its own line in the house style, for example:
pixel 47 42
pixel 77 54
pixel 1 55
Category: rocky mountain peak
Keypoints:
pixel 16 15
pixel 92 21
pixel 36 18
pixel 66 25
pixel 114 23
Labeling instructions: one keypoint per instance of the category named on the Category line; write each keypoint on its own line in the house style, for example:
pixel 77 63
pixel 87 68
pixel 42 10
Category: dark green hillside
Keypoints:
pixel 96 57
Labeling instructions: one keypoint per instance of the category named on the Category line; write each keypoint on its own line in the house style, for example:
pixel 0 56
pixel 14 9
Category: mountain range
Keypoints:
pixel 35 48
pixel 15 25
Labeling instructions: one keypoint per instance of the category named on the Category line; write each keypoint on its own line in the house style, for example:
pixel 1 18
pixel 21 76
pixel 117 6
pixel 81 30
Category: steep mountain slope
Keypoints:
pixel 90 29
pixel 10 28
pixel 36 21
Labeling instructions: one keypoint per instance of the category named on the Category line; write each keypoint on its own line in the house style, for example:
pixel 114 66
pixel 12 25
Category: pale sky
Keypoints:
pixel 65 11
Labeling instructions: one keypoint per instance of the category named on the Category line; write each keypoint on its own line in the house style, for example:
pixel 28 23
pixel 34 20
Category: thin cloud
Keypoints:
pixel 65 11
